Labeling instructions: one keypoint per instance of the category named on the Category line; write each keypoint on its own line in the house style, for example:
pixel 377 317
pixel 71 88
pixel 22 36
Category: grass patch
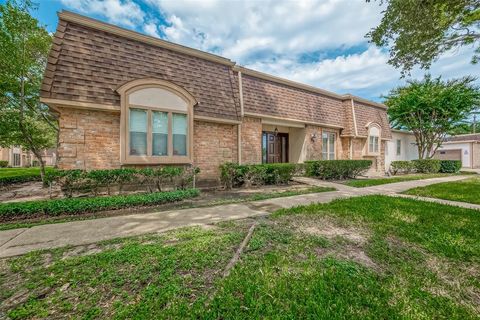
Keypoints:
pixel 365 257
pixel 18 175
pixel 254 197
pixel 463 191
pixel 362 183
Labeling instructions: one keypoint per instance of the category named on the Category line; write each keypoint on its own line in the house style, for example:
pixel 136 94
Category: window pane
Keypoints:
pixel 376 144
pixel 179 130
pixel 324 144
pixel 159 133
pixel 264 147
pixel 332 146
pixel 324 156
pixel 138 132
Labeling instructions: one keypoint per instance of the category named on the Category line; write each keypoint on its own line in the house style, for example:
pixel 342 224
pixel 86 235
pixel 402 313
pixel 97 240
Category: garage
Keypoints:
pixel 451 154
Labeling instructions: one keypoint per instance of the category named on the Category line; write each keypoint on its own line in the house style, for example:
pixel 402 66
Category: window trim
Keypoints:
pixel 379 140
pixel 136 85
pixel 328 132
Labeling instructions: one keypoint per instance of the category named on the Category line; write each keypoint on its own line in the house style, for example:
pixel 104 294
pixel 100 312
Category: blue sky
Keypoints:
pixel 320 43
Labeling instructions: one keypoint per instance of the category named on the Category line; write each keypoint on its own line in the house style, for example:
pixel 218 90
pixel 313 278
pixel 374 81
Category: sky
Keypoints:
pixel 321 43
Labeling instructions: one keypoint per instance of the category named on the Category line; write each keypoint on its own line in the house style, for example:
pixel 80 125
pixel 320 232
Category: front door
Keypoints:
pixel 275 147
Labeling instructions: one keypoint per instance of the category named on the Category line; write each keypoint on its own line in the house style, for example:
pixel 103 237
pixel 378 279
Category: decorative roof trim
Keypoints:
pixel 55 103
pixel 110 28
pixel 269 117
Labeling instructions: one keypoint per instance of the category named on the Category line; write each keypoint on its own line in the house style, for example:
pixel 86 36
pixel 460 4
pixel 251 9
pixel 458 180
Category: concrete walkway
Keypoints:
pixel 20 241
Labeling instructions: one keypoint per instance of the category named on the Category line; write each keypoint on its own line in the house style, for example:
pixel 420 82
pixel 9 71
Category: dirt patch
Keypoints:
pixel 331 231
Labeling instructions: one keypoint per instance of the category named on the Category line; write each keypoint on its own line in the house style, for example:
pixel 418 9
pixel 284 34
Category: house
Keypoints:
pixel 464 147
pixel 402 147
pixel 127 99
pixel 17 157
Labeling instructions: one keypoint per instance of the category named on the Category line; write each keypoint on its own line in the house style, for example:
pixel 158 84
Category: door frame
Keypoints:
pixel 287 147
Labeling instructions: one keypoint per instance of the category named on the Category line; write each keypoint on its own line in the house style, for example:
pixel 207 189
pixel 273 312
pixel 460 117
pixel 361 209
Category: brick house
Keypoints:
pixel 127 99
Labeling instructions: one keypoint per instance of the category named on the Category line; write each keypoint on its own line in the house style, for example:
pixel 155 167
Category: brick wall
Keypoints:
pixel 251 140
pixel 88 139
pixel 214 144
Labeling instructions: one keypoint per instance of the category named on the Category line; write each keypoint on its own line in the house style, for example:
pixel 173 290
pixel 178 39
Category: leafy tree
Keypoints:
pixel 24 46
pixel 432 108
pixel 418 31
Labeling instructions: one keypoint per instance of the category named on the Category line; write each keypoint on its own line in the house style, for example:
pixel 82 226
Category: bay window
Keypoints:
pixel 156 123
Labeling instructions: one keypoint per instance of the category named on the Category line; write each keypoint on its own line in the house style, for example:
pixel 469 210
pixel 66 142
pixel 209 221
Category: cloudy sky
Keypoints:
pixel 321 43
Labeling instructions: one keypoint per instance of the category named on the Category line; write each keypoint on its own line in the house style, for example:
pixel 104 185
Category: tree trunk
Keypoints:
pixel 42 166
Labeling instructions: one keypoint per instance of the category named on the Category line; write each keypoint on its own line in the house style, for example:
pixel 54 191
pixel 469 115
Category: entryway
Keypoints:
pixel 274 147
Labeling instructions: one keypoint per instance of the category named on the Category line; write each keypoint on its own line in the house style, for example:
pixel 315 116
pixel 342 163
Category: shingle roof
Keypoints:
pixel 464 137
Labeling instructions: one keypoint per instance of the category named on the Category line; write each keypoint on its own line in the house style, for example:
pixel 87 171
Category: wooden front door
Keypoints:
pixel 275 147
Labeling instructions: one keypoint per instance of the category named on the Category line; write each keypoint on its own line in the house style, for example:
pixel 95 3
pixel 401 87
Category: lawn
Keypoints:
pixel 464 191
pixel 361 183
pixel 364 257
pixel 13 172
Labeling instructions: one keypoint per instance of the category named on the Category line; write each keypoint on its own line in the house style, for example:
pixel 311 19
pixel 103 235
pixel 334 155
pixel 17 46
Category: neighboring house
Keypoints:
pixel 464 147
pixel 127 99
pixel 17 157
pixel 402 147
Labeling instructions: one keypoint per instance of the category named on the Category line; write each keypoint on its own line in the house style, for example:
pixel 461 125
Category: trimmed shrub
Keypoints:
pixel 71 206
pixel 450 166
pixel 402 167
pixel 234 175
pixel 336 169
pixel 3 163
pixel 426 165
pixel 94 181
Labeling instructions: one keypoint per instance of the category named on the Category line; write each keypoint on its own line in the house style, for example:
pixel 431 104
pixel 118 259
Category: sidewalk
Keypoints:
pixel 20 241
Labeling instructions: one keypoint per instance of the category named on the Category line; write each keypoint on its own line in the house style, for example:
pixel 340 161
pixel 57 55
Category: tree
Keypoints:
pixel 24 46
pixel 419 31
pixel 431 109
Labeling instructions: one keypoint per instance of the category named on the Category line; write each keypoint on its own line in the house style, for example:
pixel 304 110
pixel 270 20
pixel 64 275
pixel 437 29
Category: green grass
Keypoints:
pixel 361 183
pixel 371 257
pixel 254 197
pixel 463 191
pixel 17 175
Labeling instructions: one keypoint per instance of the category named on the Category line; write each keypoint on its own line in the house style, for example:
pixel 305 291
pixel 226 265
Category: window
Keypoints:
pixel 328 146
pixel 399 147
pixel 156 120
pixel 374 140
pixel 16 159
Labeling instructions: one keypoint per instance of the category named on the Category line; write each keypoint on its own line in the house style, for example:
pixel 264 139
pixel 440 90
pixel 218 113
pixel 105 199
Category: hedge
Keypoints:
pixel 94 181
pixel 426 165
pixel 10 176
pixel 234 175
pixel 402 167
pixel 450 166
pixel 336 169
pixel 3 163
pixel 71 206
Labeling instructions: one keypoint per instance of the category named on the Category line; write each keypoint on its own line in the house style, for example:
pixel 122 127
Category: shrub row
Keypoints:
pixel 426 166
pixel 234 175
pixel 71 206
pixel 95 181
pixel 8 180
pixel 3 163
pixel 336 169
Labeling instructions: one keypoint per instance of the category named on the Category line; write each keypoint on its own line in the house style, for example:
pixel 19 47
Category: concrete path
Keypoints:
pixel 20 241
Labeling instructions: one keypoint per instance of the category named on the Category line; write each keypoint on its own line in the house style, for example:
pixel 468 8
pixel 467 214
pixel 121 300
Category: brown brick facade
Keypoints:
pixel 88 139
pixel 89 61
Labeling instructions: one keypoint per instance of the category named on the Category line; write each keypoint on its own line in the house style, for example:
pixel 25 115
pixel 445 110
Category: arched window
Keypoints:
pixel 156 122
pixel 374 139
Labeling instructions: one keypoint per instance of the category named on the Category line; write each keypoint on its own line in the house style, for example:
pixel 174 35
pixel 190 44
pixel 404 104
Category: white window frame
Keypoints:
pixel 125 91
pixel 374 139
pixel 329 152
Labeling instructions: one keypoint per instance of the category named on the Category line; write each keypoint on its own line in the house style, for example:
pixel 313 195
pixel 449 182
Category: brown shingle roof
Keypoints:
pixel 464 137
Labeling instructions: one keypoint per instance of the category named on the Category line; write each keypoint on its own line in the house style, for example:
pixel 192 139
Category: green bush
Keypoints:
pixel 336 169
pixel 3 163
pixel 450 166
pixel 70 206
pixel 94 181
pixel 402 167
pixel 234 175
pixel 426 165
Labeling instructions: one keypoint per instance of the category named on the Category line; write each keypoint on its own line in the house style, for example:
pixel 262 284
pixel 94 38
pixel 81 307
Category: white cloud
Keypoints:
pixel 151 29
pixel 120 12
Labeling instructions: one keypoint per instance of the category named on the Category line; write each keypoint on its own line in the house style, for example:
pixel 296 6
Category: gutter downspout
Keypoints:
pixel 242 114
